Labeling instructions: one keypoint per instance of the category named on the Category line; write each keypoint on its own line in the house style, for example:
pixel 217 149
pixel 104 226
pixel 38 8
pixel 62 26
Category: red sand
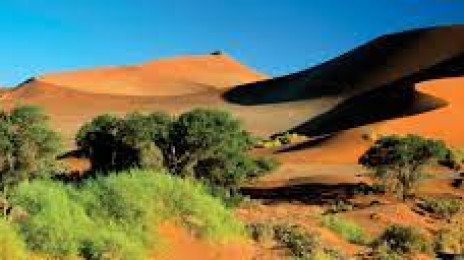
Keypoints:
pixel 181 245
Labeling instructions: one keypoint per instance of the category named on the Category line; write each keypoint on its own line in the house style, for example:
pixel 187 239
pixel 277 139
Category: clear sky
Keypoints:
pixel 273 36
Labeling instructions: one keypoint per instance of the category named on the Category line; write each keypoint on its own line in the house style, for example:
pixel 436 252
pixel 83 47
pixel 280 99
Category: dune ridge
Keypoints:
pixel 164 77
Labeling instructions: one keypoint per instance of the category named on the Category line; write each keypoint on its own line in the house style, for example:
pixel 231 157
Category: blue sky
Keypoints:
pixel 273 36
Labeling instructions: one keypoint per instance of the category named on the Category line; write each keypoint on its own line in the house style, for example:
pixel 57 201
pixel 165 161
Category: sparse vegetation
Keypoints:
pixel 450 239
pixel 304 245
pixel 398 240
pixel 338 206
pixel 349 230
pixel 442 207
pixel 398 161
pixel 299 243
pixel 280 140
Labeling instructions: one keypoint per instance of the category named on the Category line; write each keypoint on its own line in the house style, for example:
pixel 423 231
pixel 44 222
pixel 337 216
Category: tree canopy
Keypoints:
pixel 398 160
pixel 28 147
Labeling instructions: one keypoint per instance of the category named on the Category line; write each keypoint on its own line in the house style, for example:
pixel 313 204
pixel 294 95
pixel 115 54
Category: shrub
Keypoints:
pixel 398 161
pixel 261 232
pixel 115 217
pixel 450 239
pixel 303 245
pixel 339 206
pixel 114 143
pixel 402 240
pixel 279 140
pixel 441 206
pixel 349 230
pixel 205 144
pixel 28 148
pixel 11 244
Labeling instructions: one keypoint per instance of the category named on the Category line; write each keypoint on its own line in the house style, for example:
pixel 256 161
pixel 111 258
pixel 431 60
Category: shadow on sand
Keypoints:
pixel 314 193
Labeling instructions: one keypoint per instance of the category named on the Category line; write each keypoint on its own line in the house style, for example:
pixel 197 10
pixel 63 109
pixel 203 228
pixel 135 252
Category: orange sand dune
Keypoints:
pixel 446 123
pixel 164 77
pixel 372 83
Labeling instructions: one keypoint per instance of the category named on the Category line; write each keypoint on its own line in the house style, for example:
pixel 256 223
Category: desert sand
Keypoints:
pixel 406 83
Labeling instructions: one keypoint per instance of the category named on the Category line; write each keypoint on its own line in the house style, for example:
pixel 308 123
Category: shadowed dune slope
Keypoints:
pixel 373 82
pixel 164 77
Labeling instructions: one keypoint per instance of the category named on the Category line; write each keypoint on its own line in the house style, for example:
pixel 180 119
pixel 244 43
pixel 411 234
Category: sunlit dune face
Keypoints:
pixel 164 77
pixel 444 123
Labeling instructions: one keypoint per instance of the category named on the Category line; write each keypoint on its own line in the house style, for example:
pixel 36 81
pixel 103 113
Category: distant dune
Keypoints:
pixel 408 82
pixel 165 77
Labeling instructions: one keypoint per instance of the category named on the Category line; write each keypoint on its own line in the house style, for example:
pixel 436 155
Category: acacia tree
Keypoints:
pixel 204 135
pixel 114 143
pixel 28 147
pixel 398 161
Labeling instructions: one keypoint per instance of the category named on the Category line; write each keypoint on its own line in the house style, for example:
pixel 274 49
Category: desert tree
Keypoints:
pixel 115 143
pixel 28 147
pixel 398 161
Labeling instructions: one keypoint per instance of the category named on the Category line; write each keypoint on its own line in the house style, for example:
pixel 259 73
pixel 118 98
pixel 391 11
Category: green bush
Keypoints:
pixel 205 144
pixel 441 206
pixel 114 143
pixel 402 240
pixel 304 245
pixel 11 244
pixel 398 161
pixel 349 230
pixel 115 217
pixel 28 148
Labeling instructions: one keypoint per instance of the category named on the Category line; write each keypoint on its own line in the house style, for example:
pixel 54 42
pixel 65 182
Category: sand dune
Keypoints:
pixel 373 82
pixel 164 77
pixel 403 83
pixel 445 123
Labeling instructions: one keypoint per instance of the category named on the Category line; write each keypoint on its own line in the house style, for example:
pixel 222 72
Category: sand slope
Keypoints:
pixel 445 123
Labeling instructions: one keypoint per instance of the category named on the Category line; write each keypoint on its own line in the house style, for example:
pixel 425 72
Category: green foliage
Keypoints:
pixel 11 244
pixel 115 217
pixel 349 230
pixel 304 245
pixel 442 207
pixel 300 244
pixel 402 240
pixel 204 135
pixel 205 144
pixel 398 161
pixel 279 140
pixel 28 148
pixel 114 143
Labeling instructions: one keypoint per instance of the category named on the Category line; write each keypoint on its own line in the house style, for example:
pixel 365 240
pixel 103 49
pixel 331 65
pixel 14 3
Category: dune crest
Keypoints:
pixel 164 77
